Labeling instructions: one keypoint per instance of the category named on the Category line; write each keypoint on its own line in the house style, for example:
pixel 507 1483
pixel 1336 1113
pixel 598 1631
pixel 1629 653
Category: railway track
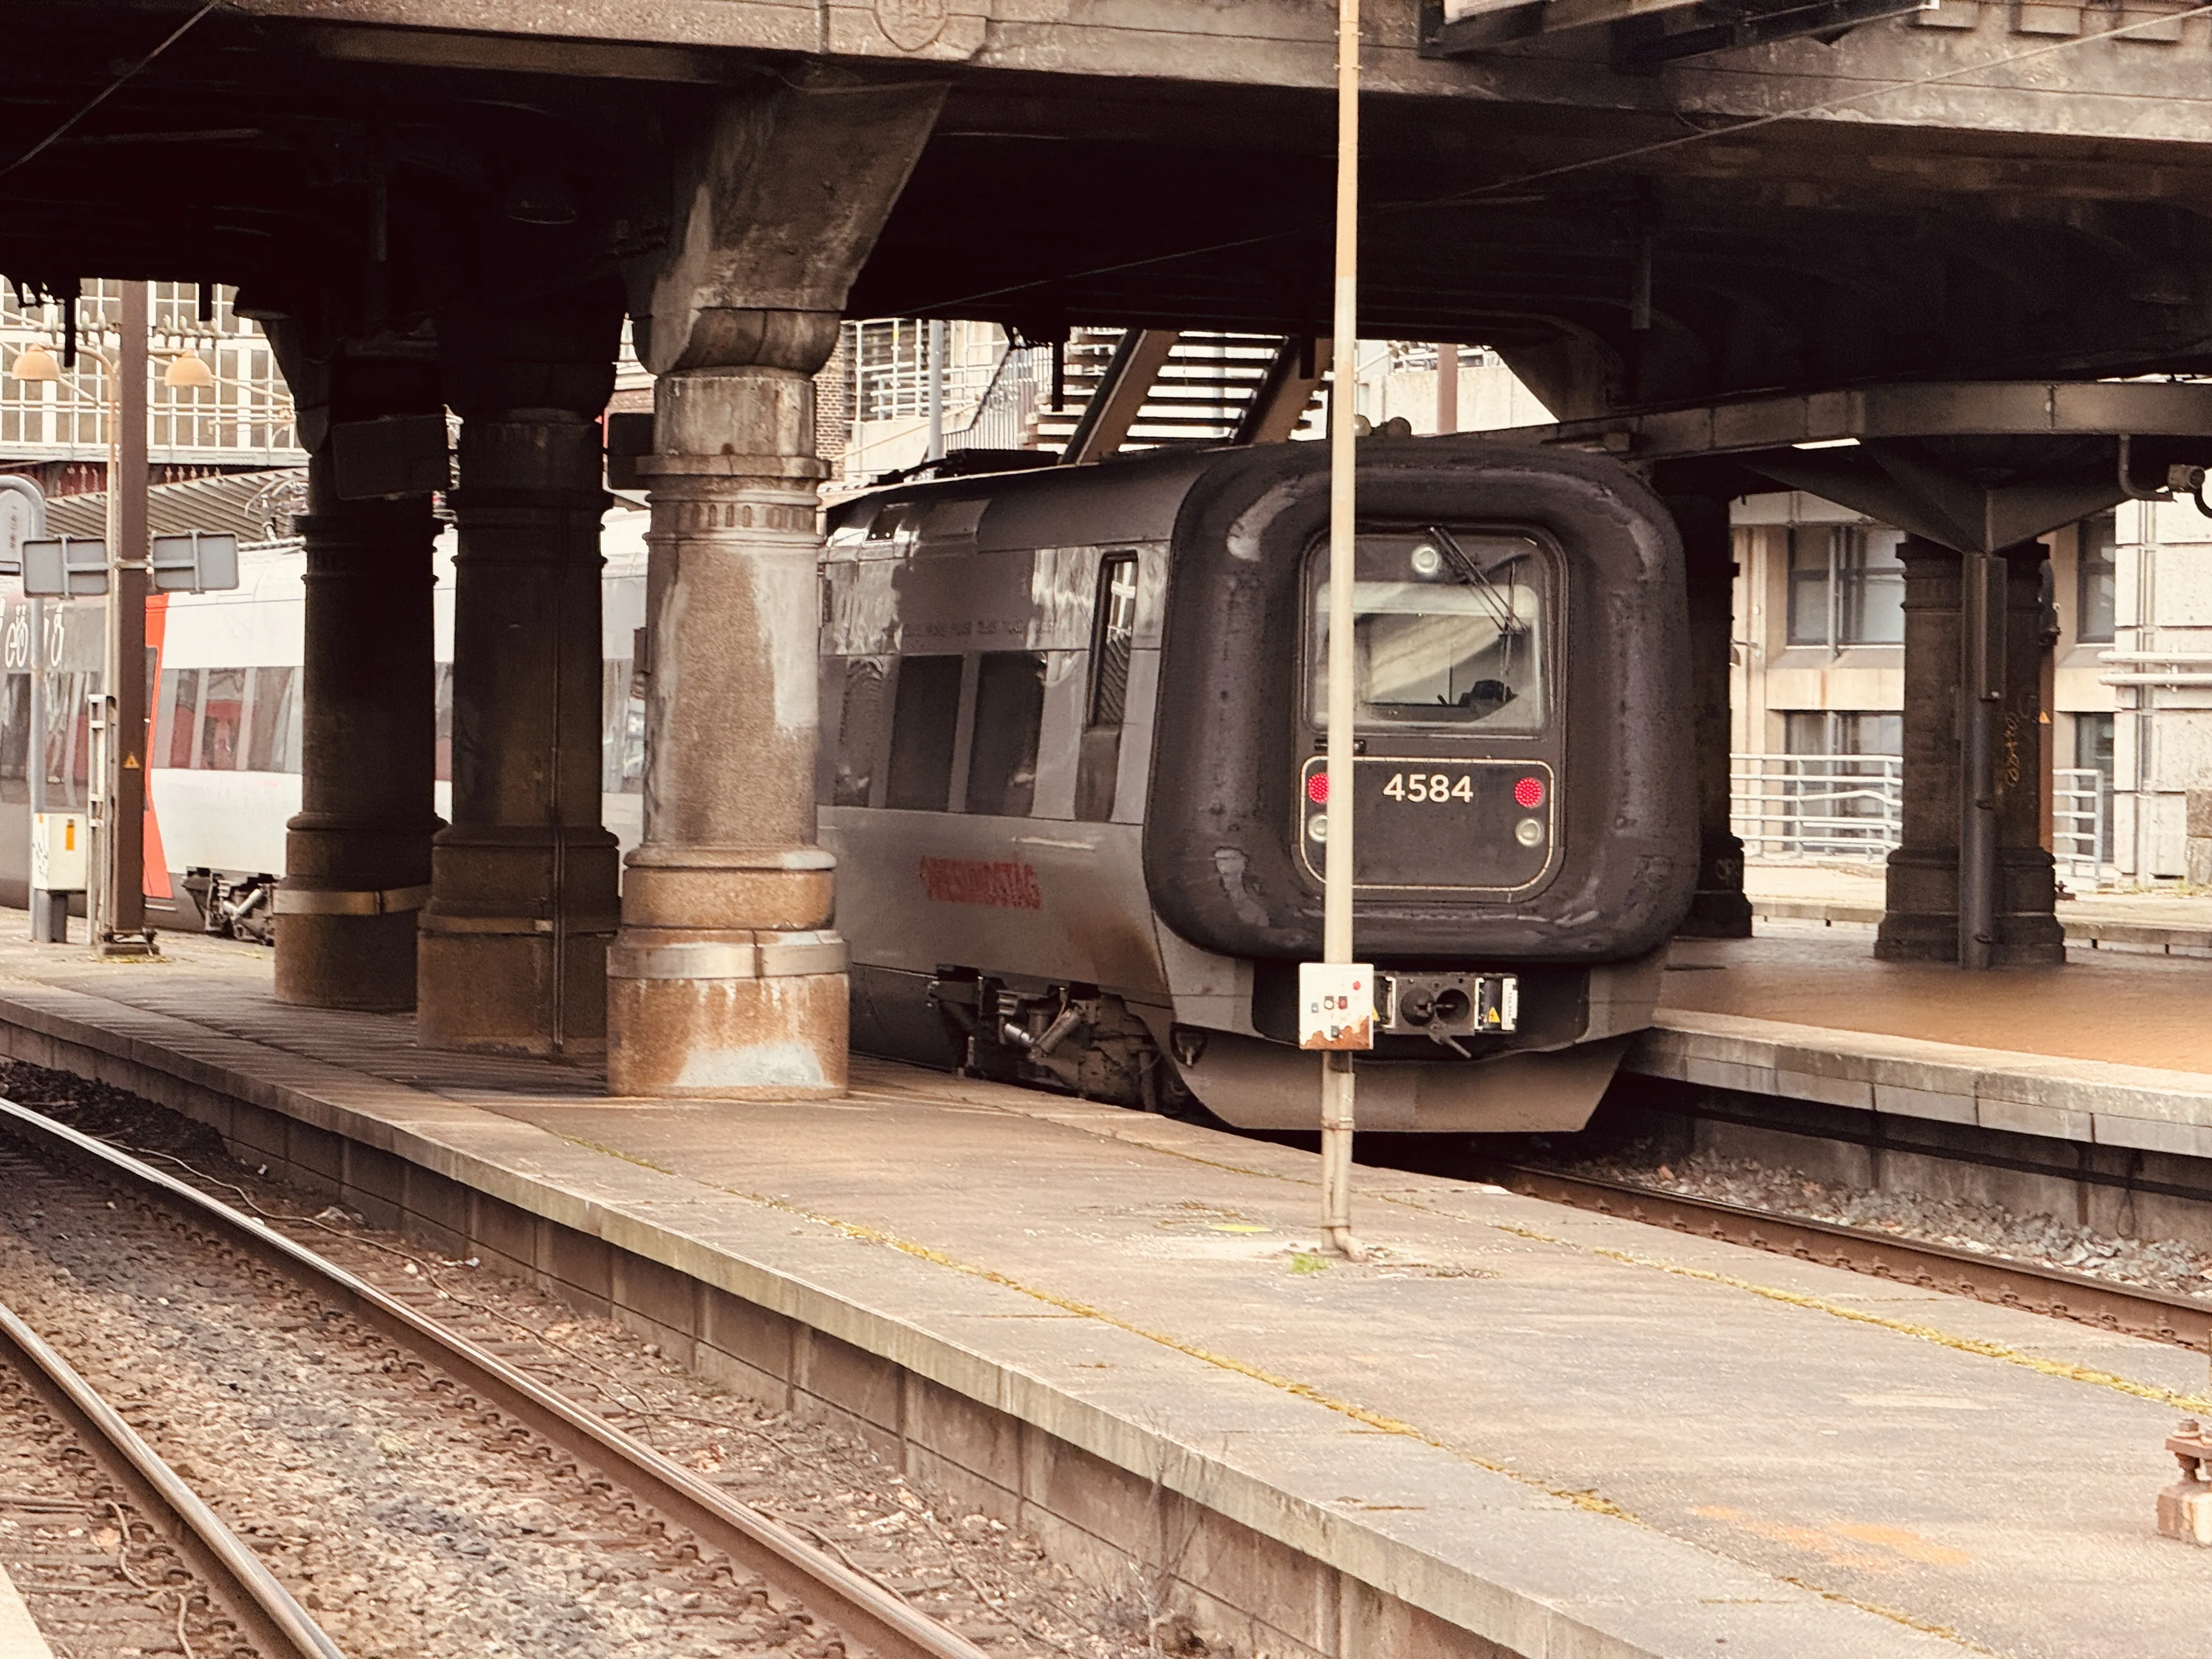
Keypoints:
pixel 2055 1291
pixel 870 1617
pixel 250 1593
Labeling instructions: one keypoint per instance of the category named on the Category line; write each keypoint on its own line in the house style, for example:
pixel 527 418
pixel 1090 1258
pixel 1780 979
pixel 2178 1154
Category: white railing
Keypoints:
pixel 1006 416
pixel 2082 823
pixel 1817 806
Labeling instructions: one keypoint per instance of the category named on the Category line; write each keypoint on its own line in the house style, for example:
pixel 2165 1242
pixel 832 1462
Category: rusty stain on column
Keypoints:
pixel 728 979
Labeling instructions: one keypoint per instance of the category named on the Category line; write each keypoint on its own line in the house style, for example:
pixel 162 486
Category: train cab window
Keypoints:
pixel 1448 630
pixel 1113 639
pixel 925 716
pixel 1009 712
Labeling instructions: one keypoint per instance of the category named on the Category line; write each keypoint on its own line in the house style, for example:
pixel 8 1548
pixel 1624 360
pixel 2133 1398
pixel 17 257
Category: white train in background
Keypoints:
pixel 225 777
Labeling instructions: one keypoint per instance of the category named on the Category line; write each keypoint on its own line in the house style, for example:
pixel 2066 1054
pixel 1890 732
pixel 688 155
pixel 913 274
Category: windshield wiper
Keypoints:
pixel 1502 612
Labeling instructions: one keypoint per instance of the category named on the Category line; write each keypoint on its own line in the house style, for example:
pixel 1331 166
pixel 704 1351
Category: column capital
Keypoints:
pixel 783 192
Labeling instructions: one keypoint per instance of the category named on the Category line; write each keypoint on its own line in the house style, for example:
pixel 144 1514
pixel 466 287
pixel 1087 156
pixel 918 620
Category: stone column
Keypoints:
pixel 523 882
pixel 727 979
pixel 2027 929
pixel 357 857
pixel 1921 919
pixel 1720 909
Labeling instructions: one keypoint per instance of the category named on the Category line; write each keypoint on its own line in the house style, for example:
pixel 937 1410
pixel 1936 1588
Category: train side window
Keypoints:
pixel 860 732
pixel 1113 639
pixel 1009 713
pixel 16 730
pixel 223 706
pixel 271 746
pixel 925 716
pixel 183 705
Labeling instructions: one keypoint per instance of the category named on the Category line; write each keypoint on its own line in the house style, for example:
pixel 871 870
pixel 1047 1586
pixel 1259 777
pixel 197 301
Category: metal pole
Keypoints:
pixel 1338 1086
pixel 119 883
pixel 1980 688
pixel 1448 387
pixel 936 372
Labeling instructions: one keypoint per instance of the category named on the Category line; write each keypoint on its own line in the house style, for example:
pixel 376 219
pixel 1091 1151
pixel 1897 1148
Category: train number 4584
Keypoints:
pixel 1434 788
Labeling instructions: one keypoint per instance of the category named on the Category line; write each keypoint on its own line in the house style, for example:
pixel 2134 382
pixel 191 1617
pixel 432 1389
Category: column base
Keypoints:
pixel 362 962
pixel 512 952
pixel 1921 920
pixel 728 1017
pixel 1719 910
pixel 486 987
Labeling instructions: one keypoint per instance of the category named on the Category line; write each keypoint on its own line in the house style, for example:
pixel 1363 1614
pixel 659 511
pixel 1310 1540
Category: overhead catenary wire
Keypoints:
pixel 110 90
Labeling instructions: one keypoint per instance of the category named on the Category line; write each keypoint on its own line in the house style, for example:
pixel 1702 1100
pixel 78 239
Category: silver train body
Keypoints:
pixel 1071 725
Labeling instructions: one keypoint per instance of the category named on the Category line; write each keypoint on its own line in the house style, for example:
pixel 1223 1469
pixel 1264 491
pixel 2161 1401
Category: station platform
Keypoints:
pixel 2114 1049
pixel 1518 1429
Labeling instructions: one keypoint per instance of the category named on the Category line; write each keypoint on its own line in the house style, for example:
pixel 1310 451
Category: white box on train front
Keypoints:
pixel 58 852
pixel 1336 1005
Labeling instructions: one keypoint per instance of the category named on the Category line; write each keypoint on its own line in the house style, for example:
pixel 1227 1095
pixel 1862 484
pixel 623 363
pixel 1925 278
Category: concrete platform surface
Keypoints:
pixel 2162 921
pixel 2110 1048
pixel 1570 1434
pixel 19 1634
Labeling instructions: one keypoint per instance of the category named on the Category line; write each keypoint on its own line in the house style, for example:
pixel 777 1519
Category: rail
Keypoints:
pixel 2158 1314
pixel 868 1613
pixel 250 1593
pixel 1849 806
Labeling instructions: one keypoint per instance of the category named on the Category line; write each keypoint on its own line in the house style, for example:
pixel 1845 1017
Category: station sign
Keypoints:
pixel 65 567
pixel 76 567
pixel 196 562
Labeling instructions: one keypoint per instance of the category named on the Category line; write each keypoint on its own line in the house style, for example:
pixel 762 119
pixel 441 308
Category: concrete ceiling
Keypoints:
pixel 1520 199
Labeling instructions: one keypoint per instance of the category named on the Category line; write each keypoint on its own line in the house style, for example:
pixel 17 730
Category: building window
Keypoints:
pixel 1842 732
pixel 1811 576
pixel 1846 586
pixel 2094 584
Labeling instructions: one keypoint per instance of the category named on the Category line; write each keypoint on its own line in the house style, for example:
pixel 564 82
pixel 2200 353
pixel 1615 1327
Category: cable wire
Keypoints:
pixel 113 87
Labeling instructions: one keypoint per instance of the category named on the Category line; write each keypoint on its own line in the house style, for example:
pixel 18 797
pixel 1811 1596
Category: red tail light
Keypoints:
pixel 1530 793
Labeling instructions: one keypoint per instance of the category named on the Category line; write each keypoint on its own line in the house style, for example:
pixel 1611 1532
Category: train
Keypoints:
pixel 225 731
pixel 1072 771
pixel 1071 768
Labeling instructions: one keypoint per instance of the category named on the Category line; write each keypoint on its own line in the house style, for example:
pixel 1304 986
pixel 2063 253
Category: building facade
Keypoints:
pixel 1818 689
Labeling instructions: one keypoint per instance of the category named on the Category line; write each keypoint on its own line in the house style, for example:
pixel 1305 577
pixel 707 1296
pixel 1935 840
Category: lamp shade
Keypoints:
pixel 35 363
pixel 188 372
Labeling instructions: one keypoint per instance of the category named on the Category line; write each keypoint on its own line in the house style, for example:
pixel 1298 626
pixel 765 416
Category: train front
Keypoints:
pixel 1522 795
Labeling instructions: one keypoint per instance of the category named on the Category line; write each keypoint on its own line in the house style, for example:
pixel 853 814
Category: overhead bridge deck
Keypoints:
pixel 1521 1429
